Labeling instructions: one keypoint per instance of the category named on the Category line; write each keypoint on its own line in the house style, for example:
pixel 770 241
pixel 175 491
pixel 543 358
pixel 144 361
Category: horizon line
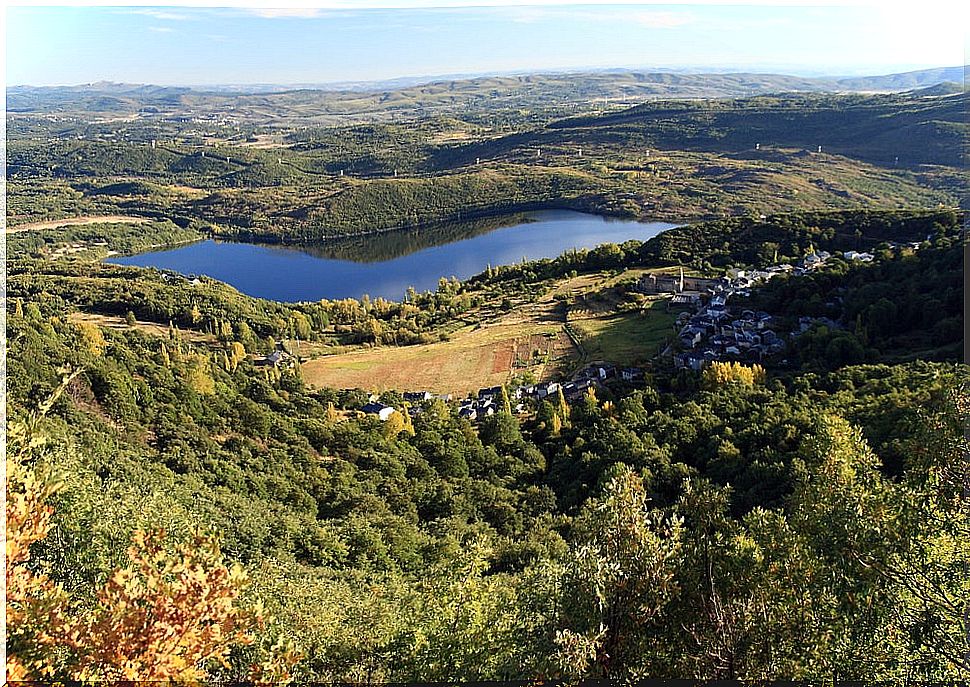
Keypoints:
pixel 419 79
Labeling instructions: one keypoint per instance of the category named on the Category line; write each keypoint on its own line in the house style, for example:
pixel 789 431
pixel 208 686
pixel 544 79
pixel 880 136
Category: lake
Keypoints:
pixel 384 265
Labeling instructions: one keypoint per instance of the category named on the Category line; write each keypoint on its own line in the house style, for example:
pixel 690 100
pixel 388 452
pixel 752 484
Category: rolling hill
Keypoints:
pixel 540 91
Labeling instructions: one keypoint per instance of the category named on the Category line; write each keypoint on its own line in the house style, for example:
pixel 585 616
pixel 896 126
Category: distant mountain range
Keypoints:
pixel 532 90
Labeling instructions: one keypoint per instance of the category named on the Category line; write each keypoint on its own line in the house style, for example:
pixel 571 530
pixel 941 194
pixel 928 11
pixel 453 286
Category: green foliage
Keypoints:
pixel 813 526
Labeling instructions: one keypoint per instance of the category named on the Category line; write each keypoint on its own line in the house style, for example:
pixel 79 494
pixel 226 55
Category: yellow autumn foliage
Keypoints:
pixel 718 374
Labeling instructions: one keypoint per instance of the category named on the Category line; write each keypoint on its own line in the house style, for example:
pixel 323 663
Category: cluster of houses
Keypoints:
pixel 488 401
pixel 741 281
pixel 693 291
pixel 714 334
pixel 174 278
pixel 911 245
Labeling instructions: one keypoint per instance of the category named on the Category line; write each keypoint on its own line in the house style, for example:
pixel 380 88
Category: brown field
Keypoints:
pixel 73 221
pixel 529 339
pixel 472 358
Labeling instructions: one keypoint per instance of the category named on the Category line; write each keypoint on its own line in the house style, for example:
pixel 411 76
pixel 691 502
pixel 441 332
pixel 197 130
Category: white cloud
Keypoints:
pixel 164 15
pixel 285 12
pixel 651 19
pixel 161 29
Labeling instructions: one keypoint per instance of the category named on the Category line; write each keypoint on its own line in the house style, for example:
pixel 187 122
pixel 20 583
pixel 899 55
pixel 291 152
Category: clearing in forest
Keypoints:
pixel 473 357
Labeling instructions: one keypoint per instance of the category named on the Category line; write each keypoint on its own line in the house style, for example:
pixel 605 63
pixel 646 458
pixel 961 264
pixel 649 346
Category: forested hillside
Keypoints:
pixel 889 130
pixel 673 160
pixel 800 523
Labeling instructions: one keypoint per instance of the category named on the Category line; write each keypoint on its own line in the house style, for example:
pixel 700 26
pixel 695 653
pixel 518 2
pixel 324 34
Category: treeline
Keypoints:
pixel 205 305
pixel 98 240
pixel 787 237
pixel 902 307
pixel 363 207
pixel 744 242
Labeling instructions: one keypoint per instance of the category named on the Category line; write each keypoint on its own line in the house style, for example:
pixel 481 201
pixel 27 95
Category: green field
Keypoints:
pixel 626 338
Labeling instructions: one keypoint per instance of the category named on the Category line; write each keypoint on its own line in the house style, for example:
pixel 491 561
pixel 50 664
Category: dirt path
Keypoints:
pixel 74 221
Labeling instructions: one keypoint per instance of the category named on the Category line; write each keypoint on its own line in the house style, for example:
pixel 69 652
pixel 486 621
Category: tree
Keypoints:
pixel 618 580
pixel 462 593
pixel 164 617
pixel 505 403
pixel 237 353
pixel 372 330
pixel 562 408
pixel 930 587
pixel 394 424
pixel 245 335
pixel 92 338
pixel 35 606
pixel 300 325
pixel 718 374
pixel 555 425
pixel 198 375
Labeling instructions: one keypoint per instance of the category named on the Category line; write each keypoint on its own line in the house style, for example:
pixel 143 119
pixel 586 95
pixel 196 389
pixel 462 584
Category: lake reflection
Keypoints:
pixel 386 264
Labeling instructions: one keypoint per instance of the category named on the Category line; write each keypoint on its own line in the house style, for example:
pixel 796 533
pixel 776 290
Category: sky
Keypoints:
pixel 344 40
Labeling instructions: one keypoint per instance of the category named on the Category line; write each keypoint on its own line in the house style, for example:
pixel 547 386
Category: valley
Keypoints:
pixel 548 378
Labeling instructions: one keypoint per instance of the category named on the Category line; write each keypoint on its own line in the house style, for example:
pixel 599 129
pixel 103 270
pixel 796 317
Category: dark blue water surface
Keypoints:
pixel 386 264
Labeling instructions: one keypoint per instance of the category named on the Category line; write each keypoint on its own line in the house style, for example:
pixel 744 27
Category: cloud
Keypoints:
pixel 285 12
pixel 651 19
pixel 164 15
pixel 161 29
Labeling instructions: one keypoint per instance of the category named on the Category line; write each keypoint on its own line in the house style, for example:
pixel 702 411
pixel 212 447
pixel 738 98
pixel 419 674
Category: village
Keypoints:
pixel 707 329
pixel 715 333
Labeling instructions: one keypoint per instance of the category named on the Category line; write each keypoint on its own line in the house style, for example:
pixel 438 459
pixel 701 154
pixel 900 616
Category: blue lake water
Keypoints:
pixel 386 264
